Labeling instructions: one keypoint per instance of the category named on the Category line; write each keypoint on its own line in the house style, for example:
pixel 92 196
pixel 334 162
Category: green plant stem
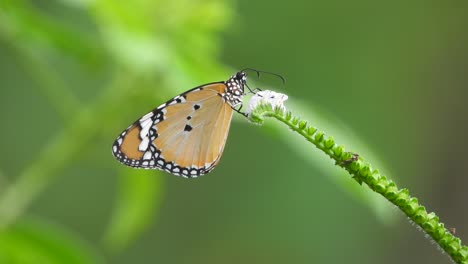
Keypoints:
pixel 363 172
pixel 48 82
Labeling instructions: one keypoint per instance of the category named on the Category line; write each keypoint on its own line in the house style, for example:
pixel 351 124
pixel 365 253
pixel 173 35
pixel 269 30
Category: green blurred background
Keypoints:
pixel 387 80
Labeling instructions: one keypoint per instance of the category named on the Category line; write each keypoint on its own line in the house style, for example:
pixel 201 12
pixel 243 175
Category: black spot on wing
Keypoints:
pixel 196 107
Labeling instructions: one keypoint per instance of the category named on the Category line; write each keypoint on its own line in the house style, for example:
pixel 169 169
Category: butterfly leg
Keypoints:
pixel 252 91
pixel 256 90
pixel 238 110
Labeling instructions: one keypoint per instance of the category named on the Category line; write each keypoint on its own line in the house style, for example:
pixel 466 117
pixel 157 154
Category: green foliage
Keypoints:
pixel 32 241
pixel 140 194
pixel 26 26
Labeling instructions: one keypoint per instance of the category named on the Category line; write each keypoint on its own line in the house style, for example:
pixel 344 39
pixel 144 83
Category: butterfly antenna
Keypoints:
pixel 271 73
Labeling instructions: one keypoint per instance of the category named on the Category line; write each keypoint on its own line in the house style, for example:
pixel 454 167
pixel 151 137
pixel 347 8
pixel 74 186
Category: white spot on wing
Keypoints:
pixel 144 144
pixel 145 126
pixel 147 155
pixel 148 115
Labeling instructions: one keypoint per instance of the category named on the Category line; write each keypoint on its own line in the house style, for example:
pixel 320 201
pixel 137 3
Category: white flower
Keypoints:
pixel 276 100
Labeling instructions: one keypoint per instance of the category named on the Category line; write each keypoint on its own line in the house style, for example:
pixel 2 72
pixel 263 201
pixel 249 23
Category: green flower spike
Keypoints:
pixel 270 104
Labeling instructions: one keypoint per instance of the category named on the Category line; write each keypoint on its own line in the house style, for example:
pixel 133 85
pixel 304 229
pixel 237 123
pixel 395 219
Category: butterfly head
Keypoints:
pixel 235 88
pixel 241 77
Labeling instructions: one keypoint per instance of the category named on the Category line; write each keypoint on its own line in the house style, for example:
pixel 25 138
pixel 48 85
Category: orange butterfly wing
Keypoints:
pixel 185 136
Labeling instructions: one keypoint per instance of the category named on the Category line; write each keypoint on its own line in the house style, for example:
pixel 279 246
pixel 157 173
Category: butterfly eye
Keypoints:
pixel 241 76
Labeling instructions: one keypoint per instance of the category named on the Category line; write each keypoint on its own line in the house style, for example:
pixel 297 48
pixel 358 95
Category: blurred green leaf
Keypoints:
pixel 23 24
pixel 129 31
pixel 49 82
pixel 146 35
pixel 139 198
pixel 32 241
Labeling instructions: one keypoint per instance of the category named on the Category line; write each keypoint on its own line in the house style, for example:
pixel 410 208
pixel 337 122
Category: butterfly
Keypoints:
pixel 186 135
